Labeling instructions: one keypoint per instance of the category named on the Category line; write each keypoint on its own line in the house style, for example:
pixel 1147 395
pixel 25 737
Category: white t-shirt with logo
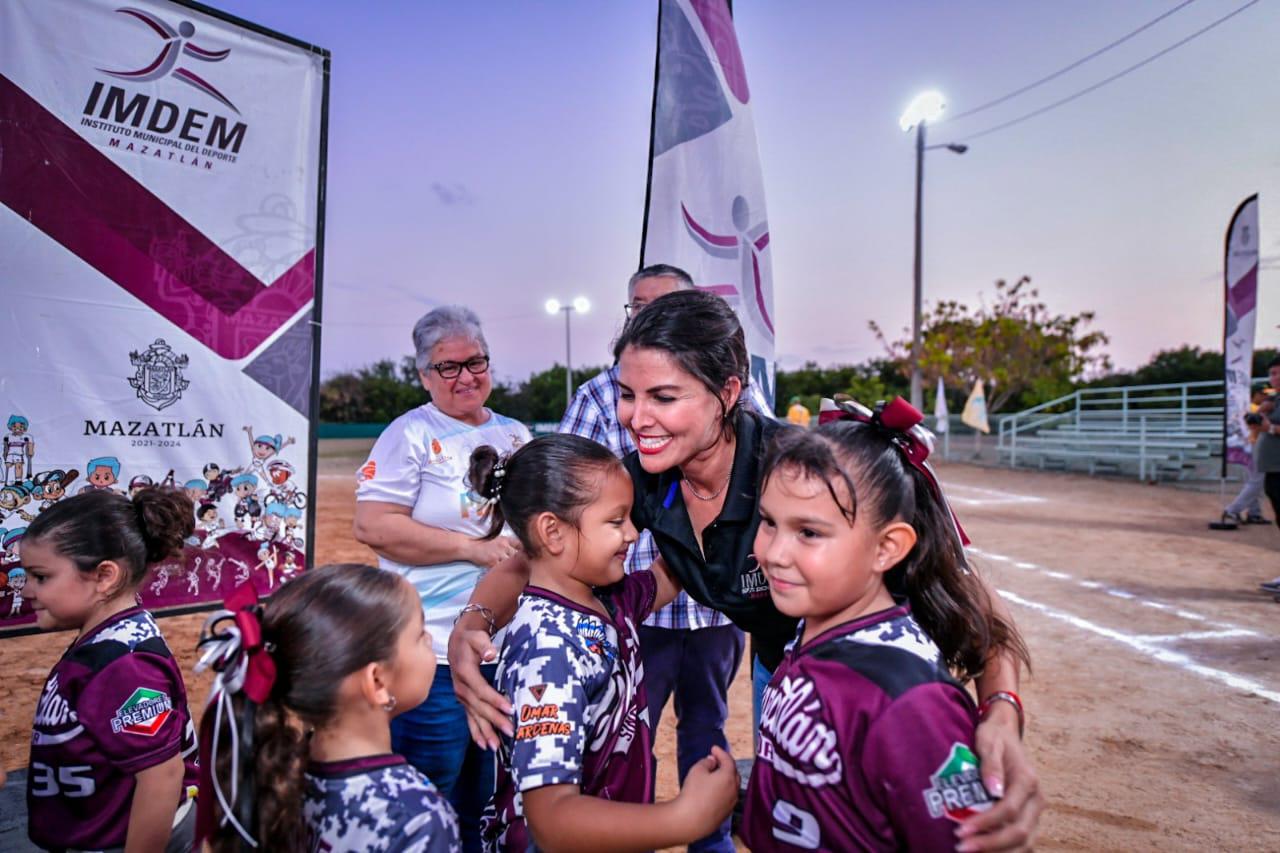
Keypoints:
pixel 421 461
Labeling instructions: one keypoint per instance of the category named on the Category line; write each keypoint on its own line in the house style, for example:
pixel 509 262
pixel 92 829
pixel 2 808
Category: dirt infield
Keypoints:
pixel 1154 707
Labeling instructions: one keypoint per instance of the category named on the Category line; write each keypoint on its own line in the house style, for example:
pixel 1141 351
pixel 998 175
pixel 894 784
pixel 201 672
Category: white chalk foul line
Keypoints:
pixel 1145 646
pixel 987 497
pixel 1112 591
pixel 1196 635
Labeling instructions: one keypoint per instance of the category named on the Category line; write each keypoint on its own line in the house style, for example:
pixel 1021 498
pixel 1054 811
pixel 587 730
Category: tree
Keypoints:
pixel 384 390
pixel 378 393
pixel 1184 364
pixel 874 380
pixel 1030 353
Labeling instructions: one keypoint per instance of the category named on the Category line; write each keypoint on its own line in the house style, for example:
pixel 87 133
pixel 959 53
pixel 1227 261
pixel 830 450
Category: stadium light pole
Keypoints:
pixel 924 108
pixel 582 306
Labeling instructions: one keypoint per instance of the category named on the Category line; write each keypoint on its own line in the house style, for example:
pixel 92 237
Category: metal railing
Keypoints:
pixel 1138 418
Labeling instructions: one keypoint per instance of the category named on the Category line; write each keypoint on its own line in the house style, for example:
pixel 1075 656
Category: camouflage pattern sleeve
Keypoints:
pixel 551 715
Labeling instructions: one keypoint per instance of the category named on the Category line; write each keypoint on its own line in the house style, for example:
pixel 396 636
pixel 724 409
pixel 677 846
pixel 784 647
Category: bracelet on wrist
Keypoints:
pixel 483 611
pixel 1003 696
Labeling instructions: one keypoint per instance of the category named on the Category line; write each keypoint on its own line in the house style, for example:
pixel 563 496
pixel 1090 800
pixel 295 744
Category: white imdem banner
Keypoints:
pixel 161 172
pixel 706 208
pixel 1241 286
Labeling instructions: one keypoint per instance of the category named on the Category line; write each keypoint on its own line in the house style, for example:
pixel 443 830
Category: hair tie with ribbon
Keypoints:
pixel 902 423
pixel 483 502
pixel 242 663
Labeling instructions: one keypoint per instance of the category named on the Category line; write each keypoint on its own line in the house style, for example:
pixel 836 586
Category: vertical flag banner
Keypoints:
pixel 705 208
pixel 975 409
pixel 161 230
pixel 940 414
pixel 1240 283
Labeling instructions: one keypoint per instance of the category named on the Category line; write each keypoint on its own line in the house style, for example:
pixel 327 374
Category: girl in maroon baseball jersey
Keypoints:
pixel 577 766
pixel 113 754
pixel 296 739
pixel 866 738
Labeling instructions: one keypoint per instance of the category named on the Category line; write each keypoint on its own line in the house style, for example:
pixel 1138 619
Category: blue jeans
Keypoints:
pixel 698 667
pixel 760 676
pixel 435 739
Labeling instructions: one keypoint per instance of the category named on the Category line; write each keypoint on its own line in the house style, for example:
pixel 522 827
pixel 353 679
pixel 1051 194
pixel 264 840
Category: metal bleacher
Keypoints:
pixel 1152 432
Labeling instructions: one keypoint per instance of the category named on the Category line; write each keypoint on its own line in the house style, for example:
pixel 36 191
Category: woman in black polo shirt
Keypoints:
pixel 682 370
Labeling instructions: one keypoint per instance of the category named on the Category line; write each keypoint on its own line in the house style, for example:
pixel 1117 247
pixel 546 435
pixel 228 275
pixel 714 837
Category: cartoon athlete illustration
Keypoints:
pixel 213 571
pixel 268 558
pixel 280 485
pixel 193 578
pixel 209 522
pixel 13 498
pixel 197 490
pixel 19 449
pixel 51 486
pixel 290 567
pixel 10 545
pixel 244 521
pixel 219 480
pixel 272 522
pixel 263 448
pixel 242 572
pixel 103 473
pixel 245 488
pixel 163 573
pixel 138 483
pixel 17 580
pixel 292 518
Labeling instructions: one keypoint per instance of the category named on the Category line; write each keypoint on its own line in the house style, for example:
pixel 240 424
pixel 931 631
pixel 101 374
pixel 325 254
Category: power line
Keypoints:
pixel 1055 75
pixel 1111 79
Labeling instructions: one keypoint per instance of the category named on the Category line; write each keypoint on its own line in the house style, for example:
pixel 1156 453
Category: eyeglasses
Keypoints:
pixel 453 369
pixel 632 308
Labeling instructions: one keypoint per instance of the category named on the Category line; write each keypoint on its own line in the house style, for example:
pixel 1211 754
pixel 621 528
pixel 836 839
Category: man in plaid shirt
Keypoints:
pixel 689 650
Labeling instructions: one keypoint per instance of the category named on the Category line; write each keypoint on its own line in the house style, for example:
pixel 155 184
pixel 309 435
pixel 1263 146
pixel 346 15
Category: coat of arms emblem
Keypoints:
pixel 159 381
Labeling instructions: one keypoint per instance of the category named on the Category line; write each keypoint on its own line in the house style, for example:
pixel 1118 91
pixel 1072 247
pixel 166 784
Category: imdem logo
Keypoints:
pixel 155 120
pixel 176 46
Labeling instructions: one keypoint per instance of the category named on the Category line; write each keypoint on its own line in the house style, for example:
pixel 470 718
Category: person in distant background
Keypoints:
pixel 1266 453
pixel 799 414
pixel 1247 506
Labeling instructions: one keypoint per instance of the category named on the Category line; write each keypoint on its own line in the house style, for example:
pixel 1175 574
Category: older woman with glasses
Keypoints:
pixel 416 511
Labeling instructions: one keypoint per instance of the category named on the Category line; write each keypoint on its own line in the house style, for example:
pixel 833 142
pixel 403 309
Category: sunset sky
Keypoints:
pixel 494 154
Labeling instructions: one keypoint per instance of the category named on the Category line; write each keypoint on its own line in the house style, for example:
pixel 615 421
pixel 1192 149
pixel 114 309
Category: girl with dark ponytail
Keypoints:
pixel 113 755
pixel 856 540
pixel 575 770
pixel 295 743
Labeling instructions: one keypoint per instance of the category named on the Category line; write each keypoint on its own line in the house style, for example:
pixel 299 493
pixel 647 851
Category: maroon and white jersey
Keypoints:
pixel 114 705
pixel 865 743
pixel 575 682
